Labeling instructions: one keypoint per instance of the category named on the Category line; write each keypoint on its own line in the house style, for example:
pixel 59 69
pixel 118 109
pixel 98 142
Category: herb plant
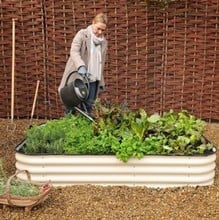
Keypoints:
pixel 121 132
pixel 17 187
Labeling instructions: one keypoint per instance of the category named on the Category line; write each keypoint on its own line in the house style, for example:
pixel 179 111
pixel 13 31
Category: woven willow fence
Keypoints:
pixel 158 59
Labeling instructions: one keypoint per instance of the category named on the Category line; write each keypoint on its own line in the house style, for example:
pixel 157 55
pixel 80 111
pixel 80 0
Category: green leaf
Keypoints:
pixel 154 118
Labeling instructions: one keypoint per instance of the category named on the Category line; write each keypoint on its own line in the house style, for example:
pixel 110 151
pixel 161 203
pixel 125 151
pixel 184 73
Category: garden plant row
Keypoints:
pixel 120 132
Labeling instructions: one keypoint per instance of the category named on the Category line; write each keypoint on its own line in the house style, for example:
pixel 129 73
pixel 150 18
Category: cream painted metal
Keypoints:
pixel 150 171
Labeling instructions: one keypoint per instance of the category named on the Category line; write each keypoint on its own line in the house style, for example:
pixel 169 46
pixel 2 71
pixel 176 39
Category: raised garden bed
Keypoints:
pixel 151 170
pixel 120 149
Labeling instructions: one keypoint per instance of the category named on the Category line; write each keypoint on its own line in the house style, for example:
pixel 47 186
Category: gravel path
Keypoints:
pixel 115 202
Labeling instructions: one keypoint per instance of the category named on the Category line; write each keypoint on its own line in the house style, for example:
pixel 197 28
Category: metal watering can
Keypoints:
pixel 75 93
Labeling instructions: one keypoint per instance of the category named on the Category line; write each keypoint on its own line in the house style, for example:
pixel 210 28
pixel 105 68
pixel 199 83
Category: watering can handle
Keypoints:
pixel 85 77
pixel 69 77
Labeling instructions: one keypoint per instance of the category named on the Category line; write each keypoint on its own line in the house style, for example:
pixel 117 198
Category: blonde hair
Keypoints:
pixel 102 18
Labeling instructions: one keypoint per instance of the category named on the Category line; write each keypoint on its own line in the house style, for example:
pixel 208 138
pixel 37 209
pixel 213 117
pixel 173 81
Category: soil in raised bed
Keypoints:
pixel 112 202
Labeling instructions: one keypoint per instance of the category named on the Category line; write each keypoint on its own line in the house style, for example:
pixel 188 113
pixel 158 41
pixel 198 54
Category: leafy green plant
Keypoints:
pixel 17 187
pixel 49 138
pixel 120 132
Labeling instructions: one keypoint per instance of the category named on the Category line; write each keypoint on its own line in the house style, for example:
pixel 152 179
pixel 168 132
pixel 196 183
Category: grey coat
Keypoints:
pixel 80 54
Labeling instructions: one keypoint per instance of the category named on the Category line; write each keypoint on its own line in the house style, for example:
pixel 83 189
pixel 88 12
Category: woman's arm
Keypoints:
pixel 75 52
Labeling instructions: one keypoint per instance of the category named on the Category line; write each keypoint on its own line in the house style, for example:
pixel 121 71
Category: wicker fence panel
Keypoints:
pixel 117 76
pixel 186 41
pixel 157 59
pixel 29 61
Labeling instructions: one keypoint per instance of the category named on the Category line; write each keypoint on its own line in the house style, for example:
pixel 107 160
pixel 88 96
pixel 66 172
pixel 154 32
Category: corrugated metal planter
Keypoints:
pixel 150 171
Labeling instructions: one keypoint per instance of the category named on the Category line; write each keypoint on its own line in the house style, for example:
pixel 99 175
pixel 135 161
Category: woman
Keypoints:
pixel 87 56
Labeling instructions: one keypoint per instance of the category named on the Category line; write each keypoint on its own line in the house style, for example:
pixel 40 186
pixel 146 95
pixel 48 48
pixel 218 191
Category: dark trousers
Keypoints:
pixel 93 87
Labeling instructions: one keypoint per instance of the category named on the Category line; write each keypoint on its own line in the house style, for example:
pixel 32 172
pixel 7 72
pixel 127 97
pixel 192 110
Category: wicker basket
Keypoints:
pixel 28 202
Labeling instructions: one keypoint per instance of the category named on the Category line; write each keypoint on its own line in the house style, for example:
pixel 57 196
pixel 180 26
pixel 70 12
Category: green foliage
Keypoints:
pixel 17 187
pixel 49 138
pixel 120 132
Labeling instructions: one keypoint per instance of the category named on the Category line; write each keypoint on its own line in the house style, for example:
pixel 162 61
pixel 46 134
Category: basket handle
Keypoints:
pixel 7 188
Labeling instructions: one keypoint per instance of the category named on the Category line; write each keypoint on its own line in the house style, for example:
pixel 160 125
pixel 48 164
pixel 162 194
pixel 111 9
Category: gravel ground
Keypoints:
pixel 113 202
